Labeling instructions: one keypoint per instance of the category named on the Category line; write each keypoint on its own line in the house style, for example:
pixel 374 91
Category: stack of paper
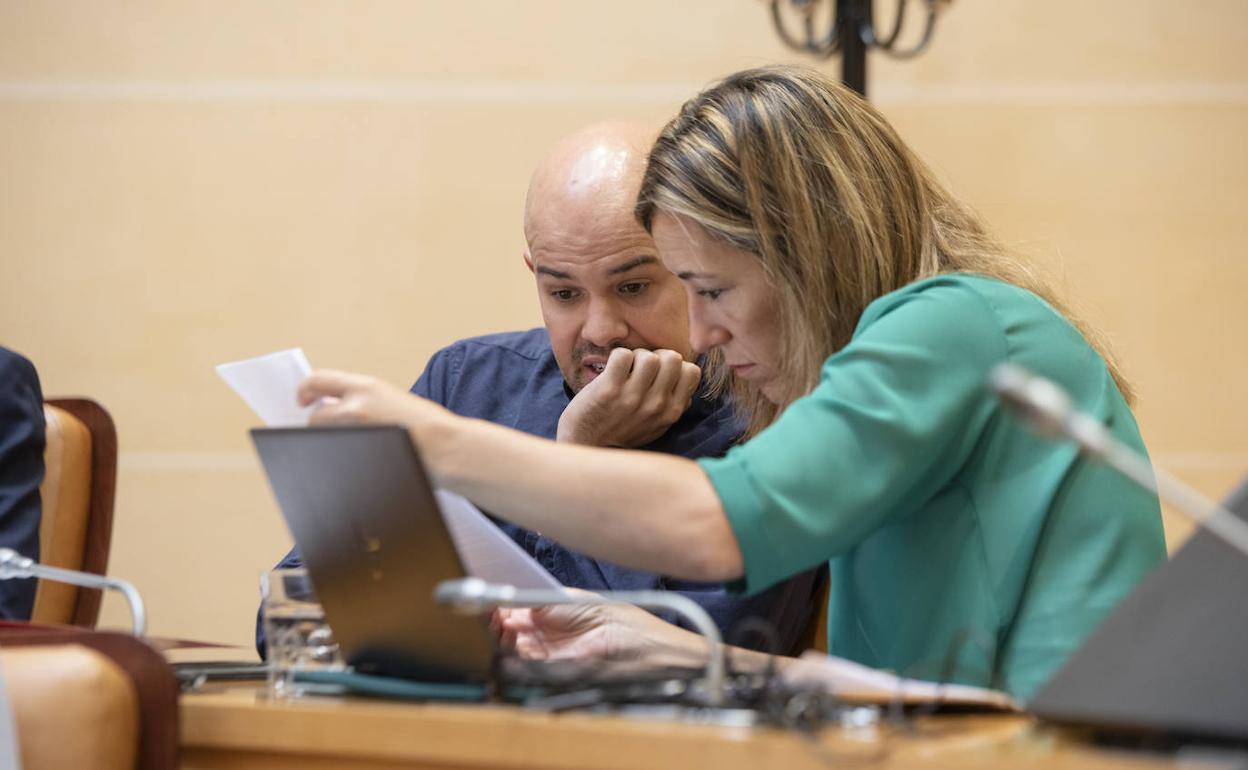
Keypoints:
pixel 856 682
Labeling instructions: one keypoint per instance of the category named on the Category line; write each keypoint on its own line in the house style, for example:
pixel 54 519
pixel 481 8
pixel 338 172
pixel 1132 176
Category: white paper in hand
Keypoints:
pixel 269 384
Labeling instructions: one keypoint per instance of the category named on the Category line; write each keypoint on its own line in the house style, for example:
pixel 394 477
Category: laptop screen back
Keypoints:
pixel 363 515
pixel 1173 656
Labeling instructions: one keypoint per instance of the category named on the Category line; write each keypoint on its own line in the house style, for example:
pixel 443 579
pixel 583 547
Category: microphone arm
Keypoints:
pixel 14 565
pixel 473 596
pixel 1048 410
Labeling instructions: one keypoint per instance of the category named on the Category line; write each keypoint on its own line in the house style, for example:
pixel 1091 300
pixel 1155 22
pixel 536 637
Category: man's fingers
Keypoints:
pixel 328 382
pixel 619 364
pixel 668 375
pixel 645 369
pixel 690 377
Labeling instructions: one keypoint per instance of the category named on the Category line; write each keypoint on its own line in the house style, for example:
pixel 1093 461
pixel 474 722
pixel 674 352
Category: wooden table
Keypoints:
pixel 238 728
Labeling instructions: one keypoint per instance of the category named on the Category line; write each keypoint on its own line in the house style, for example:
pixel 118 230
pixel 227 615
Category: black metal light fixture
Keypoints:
pixel 848 28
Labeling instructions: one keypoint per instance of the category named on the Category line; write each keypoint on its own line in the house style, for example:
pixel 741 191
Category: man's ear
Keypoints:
pixel 528 261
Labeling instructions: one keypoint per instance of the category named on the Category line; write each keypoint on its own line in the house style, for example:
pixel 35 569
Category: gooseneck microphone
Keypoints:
pixel 473 596
pixel 1049 411
pixel 14 565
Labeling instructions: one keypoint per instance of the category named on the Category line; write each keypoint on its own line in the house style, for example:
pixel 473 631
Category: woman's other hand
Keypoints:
pixel 596 632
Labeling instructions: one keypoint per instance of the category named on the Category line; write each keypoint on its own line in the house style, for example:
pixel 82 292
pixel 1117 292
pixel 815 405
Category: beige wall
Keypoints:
pixel 184 183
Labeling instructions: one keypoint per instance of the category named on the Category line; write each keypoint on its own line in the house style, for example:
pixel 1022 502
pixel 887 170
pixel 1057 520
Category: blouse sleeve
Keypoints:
pixel 896 413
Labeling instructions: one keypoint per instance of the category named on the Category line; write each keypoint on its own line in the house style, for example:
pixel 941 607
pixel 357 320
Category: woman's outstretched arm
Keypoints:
pixel 644 510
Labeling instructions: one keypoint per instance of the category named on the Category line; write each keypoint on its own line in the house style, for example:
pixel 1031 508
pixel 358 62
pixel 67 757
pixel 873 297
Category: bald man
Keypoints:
pixel 600 287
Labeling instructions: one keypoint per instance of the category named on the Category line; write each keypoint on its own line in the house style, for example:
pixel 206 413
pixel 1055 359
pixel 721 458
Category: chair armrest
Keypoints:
pixel 72 706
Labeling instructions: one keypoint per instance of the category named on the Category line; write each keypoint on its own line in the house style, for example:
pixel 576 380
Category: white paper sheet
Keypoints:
pixel 269 385
pixel 486 551
pixel 855 680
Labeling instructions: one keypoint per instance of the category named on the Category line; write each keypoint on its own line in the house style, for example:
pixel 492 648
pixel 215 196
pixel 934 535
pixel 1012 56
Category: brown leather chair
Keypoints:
pixel 80 462
pixel 72 707
pixel 111 699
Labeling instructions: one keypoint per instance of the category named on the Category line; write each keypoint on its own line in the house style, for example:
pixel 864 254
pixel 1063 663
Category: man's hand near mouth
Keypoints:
pixel 638 396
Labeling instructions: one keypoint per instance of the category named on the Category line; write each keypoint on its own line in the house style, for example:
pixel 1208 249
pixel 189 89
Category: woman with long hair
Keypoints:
pixel 854 309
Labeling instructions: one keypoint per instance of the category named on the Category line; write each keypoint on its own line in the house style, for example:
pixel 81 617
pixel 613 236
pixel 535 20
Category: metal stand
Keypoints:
pixel 851 33
pixel 14 565
pixel 854 15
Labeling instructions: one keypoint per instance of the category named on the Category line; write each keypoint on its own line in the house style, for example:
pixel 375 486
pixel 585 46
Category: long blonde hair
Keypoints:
pixel 786 164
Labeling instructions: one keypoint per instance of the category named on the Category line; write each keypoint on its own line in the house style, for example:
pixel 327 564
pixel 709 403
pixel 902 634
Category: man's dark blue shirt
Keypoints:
pixel 512 379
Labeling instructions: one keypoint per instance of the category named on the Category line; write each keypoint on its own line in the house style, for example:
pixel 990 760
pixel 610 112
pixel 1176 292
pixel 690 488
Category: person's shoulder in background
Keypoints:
pixel 22 438
pixel 16 370
pixel 498 377
pixel 442 372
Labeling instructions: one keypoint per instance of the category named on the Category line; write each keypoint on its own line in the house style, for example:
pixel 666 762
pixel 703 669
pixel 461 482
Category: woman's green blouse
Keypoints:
pixel 960 545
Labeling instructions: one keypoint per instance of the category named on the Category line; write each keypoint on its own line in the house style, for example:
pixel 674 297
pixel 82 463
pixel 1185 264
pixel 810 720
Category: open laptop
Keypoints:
pixel 1172 659
pixel 365 519
pixel 375 545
